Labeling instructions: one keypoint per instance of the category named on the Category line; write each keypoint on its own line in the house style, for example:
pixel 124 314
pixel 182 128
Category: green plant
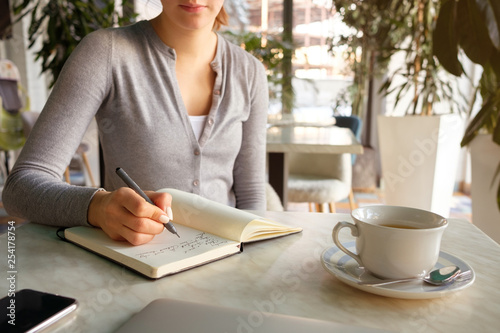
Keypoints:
pixel 423 75
pixel 61 25
pixel 374 29
pixel 380 29
pixel 473 27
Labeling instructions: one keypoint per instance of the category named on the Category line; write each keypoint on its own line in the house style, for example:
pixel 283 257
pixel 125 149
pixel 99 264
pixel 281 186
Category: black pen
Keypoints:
pixel 126 178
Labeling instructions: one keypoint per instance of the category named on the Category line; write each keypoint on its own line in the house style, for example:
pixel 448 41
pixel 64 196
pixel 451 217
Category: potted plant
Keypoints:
pixel 418 149
pixel 374 29
pixel 421 91
pixel 473 27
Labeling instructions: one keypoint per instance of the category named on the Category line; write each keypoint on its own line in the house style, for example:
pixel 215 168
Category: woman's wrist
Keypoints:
pixel 94 214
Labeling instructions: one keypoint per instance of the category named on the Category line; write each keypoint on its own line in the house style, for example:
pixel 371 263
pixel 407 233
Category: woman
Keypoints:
pixel 176 105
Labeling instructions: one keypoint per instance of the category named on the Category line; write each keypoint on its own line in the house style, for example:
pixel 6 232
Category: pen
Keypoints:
pixel 126 178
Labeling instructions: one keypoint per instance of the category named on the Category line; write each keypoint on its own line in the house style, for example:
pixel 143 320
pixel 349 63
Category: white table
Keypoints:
pixel 288 266
pixel 282 140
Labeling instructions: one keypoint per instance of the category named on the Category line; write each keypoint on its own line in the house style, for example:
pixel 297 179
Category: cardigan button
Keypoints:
pixel 197 152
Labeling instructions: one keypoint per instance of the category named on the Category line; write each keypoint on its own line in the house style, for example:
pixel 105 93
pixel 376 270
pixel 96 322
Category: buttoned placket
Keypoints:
pixel 209 125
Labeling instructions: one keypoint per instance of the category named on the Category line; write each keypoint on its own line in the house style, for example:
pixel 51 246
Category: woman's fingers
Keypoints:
pixel 161 199
pixel 135 238
pixel 123 214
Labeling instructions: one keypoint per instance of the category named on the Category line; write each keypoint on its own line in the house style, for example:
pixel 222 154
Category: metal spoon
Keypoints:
pixel 436 277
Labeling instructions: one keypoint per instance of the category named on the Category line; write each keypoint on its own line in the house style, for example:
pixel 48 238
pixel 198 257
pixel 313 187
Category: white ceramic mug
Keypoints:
pixel 394 242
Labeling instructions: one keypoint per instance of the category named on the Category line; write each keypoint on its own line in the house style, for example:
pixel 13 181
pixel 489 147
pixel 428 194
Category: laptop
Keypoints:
pixel 175 316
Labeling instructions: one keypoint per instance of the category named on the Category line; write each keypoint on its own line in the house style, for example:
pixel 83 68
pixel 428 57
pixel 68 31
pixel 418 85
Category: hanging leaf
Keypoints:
pixel 478 122
pixel 473 32
pixel 490 12
pixel 445 38
pixel 496 130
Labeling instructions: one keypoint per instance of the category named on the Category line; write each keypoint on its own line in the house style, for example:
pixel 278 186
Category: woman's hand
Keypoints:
pixel 125 215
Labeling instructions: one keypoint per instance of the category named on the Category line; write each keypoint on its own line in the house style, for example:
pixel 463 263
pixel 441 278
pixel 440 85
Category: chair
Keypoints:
pixel 324 178
pixel 354 124
pixel 319 178
pixel 30 117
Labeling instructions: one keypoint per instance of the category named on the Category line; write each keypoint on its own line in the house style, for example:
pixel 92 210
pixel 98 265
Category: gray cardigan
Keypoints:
pixel 125 77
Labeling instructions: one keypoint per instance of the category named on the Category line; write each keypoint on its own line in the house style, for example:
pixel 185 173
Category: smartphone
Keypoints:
pixel 32 311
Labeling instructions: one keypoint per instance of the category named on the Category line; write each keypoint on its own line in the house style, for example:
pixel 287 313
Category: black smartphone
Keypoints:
pixel 31 311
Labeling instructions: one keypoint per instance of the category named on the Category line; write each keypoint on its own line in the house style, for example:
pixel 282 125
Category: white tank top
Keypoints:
pixel 198 123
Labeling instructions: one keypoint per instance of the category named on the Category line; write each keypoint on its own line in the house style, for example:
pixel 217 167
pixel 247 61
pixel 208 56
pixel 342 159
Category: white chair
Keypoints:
pixel 320 178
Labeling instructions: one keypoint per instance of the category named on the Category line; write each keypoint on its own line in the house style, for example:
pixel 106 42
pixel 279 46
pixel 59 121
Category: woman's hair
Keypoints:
pixel 221 19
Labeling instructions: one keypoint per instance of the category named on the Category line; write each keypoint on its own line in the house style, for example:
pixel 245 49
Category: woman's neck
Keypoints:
pixel 192 44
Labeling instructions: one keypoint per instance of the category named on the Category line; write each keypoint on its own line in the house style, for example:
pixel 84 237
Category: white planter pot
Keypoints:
pixel 485 157
pixel 419 157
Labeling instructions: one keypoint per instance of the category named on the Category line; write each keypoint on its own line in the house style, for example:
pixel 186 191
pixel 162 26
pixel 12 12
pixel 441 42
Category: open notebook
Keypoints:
pixel 208 231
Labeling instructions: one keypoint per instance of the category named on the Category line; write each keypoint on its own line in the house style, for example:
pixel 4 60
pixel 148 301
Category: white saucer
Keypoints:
pixel 347 270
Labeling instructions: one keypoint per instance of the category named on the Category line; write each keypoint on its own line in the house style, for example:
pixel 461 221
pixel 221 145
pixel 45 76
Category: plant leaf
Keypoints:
pixel 495 64
pixel 473 32
pixel 478 121
pixel 496 130
pixel 490 10
pixel 445 41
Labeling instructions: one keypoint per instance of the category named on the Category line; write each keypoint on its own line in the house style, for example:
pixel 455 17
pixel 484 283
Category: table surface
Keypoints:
pixel 311 139
pixel 288 266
